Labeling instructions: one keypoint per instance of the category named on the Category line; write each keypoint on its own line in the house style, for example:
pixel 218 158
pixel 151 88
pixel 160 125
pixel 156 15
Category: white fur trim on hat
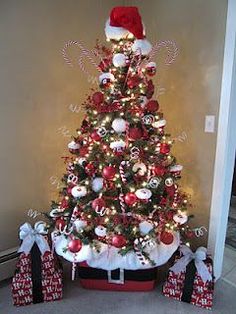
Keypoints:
pixel 142 45
pixel 113 32
pixel 106 75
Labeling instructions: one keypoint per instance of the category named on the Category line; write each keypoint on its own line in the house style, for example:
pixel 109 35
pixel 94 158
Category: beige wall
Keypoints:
pixel 36 89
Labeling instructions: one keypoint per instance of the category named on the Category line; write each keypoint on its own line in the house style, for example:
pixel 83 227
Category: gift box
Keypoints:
pixel 38 276
pixel 191 278
pixel 116 280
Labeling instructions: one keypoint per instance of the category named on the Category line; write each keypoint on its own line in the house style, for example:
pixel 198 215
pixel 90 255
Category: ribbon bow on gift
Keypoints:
pixel 29 236
pixel 199 256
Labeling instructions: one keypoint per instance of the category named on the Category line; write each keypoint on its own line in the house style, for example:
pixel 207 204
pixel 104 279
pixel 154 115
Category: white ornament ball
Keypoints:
pixel 145 227
pixel 119 125
pixel 180 218
pixel 143 194
pixel 140 168
pixel 119 60
pixel 79 191
pixel 118 146
pixel 97 184
pixel 142 46
pixel 100 231
pixel 79 224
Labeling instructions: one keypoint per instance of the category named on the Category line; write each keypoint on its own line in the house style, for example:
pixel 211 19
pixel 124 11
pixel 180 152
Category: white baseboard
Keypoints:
pixel 8 263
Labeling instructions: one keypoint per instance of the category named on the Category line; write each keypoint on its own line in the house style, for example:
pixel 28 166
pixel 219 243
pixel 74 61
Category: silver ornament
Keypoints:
pixel 102 131
pixel 169 182
pixel 154 182
pixel 148 119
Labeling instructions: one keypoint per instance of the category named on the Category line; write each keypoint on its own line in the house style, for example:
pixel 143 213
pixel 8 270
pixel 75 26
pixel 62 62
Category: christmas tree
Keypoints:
pixel 121 205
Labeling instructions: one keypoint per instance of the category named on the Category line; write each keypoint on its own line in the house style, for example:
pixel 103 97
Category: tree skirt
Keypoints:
pixel 109 259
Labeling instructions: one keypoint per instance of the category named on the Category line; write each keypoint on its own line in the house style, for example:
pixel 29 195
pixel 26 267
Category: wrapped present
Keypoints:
pixel 191 278
pixel 38 275
pixel 116 280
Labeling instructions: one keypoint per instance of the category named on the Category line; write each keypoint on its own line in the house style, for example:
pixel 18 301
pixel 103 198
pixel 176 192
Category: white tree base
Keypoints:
pixel 108 258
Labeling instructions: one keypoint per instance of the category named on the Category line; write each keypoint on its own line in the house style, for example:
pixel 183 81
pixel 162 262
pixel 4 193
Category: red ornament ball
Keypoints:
pixel 109 172
pixel 135 133
pixel 118 241
pixel 75 245
pixel 95 136
pixel 152 106
pixel 98 203
pixel 167 237
pixel 150 89
pixel 60 223
pixel 90 169
pixel 190 234
pixel 159 170
pixel 98 98
pixel 130 199
pixel 164 148
pixel 83 151
pixel 134 81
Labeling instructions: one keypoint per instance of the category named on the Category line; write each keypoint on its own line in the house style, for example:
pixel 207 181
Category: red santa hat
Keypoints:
pixel 126 22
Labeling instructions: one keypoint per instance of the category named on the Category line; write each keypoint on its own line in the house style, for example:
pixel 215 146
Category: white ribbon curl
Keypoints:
pixel 29 236
pixel 199 256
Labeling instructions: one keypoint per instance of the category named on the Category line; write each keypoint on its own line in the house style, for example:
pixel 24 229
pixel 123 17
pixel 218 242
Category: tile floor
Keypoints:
pixel 79 301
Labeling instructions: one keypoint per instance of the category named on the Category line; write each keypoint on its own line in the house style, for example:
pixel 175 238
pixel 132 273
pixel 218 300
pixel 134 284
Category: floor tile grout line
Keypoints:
pixel 229 282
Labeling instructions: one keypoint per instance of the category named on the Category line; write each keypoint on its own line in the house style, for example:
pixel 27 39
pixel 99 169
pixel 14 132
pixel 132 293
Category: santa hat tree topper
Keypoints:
pixel 126 22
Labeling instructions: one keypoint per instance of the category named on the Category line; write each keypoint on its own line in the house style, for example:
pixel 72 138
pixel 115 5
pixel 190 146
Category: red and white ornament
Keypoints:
pixel 102 131
pixel 98 203
pixel 176 170
pixel 118 147
pixel 151 68
pixel 73 147
pixel 119 125
pixel 139 168
pixel 106 80
pixel 100 231
pixel 180 218
pixel 119 60
pixel 75 245
pixel 143 194
pixel 79 191
pixel 160 124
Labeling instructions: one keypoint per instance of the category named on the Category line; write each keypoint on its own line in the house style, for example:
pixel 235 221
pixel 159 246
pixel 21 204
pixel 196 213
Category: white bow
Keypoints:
pixel 199 256
pixel 29 236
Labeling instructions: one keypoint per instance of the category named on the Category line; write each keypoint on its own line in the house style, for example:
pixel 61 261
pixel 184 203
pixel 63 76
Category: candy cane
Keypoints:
pixel 138 253
pixel 172 50
pixel 122 171
pixel 74 214
pixel 85 52
pixel 122 202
